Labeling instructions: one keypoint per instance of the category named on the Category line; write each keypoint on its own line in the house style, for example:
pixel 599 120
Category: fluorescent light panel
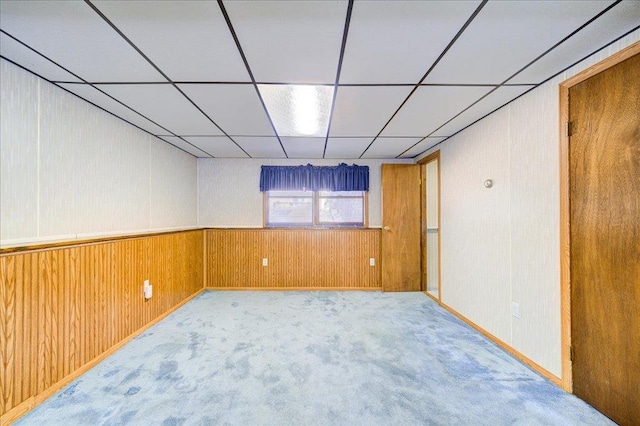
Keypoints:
pixel 298 110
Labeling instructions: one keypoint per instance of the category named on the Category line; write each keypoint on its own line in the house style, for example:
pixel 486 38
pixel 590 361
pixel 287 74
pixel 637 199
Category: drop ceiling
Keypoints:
pixel 405 75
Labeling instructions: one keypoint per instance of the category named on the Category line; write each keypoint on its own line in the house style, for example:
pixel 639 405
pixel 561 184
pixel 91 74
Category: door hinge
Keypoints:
pixel 570 353
pixel 570 128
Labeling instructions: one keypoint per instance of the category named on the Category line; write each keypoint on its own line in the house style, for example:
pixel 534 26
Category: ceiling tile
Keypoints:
pixel 299 147
pixel 291 41
pixel 622 18
pixel 76 37
pixel 363 111
pixel 93 95
pixel 260 147
pixel 218 146
pixel 346 147
pixel 507 35
pixel 163 104
pixel 30 60
pixel 396 42
pixel 421 147
pixel 495 100
pixel 187 40
pixel 235 108
pixel 389 147
pixel 430 107
pixel 173 140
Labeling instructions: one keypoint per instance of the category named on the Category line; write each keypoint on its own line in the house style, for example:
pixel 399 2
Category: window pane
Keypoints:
pixel 293 210
pixel 337 210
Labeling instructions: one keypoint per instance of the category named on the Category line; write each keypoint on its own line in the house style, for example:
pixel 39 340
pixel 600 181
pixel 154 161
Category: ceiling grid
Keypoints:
pixel 190 72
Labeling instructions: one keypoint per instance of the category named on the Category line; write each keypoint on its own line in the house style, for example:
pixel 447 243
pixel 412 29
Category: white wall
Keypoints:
pixel 70 170
pixel 502 244
pixel 229 190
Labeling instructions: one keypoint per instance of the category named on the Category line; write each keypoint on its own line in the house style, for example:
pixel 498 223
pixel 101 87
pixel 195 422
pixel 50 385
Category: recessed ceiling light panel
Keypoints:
pixel 298 110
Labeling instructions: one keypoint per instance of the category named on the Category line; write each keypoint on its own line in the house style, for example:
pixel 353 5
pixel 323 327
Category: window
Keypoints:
pixel 315 196
pixel 322 209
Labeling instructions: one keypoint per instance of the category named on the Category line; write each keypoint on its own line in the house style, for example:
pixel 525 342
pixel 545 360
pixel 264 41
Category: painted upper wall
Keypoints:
pixel 502 245
pixel 229 190
pixel 69 170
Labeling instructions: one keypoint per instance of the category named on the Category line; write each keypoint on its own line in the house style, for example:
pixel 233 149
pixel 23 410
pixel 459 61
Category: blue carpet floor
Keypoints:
pixel 307 358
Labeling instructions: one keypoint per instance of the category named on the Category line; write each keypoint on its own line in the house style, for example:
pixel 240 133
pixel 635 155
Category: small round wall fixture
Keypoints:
pixel 488 183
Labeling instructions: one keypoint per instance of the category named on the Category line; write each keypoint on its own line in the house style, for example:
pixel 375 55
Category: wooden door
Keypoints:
pixel 604 159
pixel 401 227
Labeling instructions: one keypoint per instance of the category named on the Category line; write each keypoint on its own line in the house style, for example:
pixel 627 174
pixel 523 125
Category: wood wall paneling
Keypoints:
pixel 297 258
pixel 63 308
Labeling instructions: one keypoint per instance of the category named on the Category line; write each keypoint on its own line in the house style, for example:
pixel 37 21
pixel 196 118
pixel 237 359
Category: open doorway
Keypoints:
pixel 430 230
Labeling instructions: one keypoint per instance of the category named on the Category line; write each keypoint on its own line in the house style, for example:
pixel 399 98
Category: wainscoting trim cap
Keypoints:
pixel 7 250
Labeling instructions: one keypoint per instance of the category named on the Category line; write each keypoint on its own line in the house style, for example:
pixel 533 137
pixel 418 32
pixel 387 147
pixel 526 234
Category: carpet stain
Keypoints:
pixel 132 376
pixel 111 372
pixel 126 417
pixel 167 371
pixel 300 373
pixel 173 421
pixel 195 341
pixel 132 390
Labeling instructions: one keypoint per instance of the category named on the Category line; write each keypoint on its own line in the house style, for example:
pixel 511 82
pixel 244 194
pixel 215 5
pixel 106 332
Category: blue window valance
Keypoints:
pixel 315 178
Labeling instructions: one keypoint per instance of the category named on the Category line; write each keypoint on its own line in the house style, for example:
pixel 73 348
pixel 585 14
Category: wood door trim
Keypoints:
pixel 423 227
pixel 565 225
pixel 423 239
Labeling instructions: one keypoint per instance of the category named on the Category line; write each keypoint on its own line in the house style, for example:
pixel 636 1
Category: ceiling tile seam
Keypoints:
pixel 302 137
pixel 125 38
pixel 209 118
pixel 83 81
pixel 248 83
pixel 515 74
pixel 96 88
pixel 146 58
pixel 345 34
pixel 435 63
pixel 580 28
pixel 574 32
pixel 194 146
pixel 456 116
pixel 227 19
pixel 470 124
pixel 91 103
pixel 590 54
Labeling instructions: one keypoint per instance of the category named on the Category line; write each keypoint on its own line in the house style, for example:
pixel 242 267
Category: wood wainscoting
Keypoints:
pixel 64 308
pixel 306 259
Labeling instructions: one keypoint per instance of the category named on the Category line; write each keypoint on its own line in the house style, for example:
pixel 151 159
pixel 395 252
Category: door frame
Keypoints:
pixel 423 224
pixel 565 216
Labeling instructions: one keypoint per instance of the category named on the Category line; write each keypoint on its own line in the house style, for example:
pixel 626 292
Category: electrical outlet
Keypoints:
pixel 515 309
pixel 265 261
pixel 372 261
pixel 147 290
